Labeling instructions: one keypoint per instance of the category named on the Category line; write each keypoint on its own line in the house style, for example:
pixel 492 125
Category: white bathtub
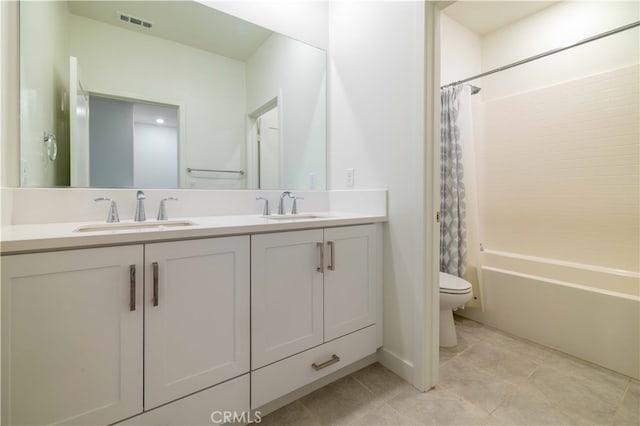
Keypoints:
pixel 587 311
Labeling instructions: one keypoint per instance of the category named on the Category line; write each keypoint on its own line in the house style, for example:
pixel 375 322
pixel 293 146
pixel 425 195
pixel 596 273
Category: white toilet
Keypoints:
pixel 454 293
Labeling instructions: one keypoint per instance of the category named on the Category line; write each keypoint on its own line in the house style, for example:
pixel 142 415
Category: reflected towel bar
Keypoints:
pixel 240 172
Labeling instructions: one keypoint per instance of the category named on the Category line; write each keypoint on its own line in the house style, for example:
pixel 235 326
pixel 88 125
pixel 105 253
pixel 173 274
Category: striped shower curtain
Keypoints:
pixel 453 228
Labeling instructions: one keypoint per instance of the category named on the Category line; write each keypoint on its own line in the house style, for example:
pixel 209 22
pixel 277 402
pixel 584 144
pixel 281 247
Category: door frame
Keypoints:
pixel 427 308
pixel 253 160
pixel 79 156
pixel 183 177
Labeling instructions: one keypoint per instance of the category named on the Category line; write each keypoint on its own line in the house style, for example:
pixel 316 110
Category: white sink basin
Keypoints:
pixel 295 216
pixel 121 226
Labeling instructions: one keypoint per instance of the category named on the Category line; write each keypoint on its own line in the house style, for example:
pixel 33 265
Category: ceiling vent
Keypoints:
pixel 124 17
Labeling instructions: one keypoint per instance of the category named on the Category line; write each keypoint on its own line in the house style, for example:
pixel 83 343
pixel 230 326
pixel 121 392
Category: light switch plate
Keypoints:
pixel 348 177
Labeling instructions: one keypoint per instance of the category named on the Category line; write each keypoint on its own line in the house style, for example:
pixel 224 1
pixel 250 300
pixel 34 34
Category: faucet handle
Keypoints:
pixel 294 207
pixel 112 216
pixel 162 211
pixel 266 211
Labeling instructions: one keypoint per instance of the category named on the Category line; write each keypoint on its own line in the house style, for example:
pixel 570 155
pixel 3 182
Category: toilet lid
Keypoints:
pixel 453 285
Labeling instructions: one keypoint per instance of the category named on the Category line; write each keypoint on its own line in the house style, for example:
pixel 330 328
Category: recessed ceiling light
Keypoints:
pixel 160 120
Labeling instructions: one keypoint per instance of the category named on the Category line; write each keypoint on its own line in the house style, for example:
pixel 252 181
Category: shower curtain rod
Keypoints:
pixel 547 53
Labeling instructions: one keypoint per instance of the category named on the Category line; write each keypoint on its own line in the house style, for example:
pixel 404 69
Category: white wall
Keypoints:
pixel 307 21
pixel 44 76
pixel 155 154
pixel 376 103
pixel 462 49
pixel 554 27
pixel 557 26
pixel 283 67
pixel 208 88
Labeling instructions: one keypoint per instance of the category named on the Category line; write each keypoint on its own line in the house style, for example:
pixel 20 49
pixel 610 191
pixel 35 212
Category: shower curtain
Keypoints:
pixel 453 228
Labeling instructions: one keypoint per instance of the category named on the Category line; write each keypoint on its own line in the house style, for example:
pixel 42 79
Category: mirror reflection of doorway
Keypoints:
pixel 132 144
pixel 268 139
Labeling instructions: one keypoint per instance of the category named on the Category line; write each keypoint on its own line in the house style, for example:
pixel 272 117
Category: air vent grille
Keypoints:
pixel 125 17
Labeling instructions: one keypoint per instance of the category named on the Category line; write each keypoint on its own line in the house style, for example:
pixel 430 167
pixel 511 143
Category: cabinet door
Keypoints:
pixel 196 316
pixel 349 284
pixel 72 336
pixel 286 294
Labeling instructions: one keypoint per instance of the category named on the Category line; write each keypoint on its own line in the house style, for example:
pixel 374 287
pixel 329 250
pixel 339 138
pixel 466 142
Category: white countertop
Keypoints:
pixel 54 236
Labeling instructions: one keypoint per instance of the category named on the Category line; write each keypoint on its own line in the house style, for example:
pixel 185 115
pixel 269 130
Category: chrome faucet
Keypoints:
pixel 294 207
pixel 112 216
pixel 162 211
pixel 281 202
pixel 266 211
pixel 140 215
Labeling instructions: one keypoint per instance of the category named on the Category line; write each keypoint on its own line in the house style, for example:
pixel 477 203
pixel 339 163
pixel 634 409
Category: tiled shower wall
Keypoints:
pixel 559 171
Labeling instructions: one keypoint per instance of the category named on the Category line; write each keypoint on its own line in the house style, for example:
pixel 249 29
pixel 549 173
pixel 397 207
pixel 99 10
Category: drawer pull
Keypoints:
pixel 334 358
pixel 155 283
pixel 321 249
pixel 132 287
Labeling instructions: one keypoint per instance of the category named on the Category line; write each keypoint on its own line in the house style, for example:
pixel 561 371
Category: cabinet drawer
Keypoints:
pixel 282 377
pixel 201 408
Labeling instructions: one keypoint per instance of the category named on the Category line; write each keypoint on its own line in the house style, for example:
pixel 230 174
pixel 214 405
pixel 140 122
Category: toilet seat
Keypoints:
pixel 450 284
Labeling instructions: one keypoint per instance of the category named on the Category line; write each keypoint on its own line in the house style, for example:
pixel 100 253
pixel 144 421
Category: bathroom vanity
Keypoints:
pixel 167 325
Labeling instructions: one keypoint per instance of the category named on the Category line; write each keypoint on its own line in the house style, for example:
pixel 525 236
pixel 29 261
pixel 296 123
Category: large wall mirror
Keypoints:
pixel 166 94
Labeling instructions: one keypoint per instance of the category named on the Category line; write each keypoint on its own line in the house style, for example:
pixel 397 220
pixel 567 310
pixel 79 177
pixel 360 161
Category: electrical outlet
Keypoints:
pixel 348 177
pixel 313 181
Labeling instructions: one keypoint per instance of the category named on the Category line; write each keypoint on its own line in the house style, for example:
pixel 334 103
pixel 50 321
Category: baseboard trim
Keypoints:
pixel 393 362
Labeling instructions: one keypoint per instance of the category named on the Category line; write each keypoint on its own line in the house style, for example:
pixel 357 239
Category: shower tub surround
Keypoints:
pixel 227 311
pixel 561 233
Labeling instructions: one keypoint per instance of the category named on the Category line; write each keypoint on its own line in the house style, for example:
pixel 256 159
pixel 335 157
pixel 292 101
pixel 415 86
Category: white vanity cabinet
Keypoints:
pixel 172 332
pixel 73 349
pixel 196 316
pixel 72 336
pixel 313 304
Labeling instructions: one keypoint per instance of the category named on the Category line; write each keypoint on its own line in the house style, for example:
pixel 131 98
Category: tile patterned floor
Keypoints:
pixel 490 378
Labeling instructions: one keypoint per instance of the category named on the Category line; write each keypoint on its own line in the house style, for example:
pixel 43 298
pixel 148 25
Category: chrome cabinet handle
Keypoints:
pixel 321 249
pixel 132 287
pixel 332 263
pixel 155 283
pixel 334 358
